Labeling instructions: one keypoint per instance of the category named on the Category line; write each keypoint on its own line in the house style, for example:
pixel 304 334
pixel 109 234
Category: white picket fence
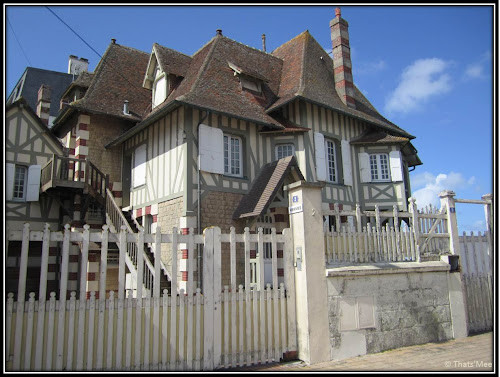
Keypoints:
pixel 405 237
pixel 476 267
pixel 219 327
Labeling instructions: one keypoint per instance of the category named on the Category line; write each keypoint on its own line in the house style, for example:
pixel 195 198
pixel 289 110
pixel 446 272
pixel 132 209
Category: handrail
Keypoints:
pixel 117 219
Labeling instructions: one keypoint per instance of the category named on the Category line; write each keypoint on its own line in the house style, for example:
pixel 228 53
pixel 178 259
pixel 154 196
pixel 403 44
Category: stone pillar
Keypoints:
pixel 186 223
pixel 306 221
pixel 456 287
pixel 81 145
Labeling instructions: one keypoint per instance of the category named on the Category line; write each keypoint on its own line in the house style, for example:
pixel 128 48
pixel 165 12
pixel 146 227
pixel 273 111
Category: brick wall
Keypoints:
pixel 217 210
pixel 169 213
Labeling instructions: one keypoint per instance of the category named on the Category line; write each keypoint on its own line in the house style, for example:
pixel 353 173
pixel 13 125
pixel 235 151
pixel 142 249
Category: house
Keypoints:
pixel 213 138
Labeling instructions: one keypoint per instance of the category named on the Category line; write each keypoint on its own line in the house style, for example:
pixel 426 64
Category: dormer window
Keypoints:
pixel 253 85
pixel 159 87
pixel 249 80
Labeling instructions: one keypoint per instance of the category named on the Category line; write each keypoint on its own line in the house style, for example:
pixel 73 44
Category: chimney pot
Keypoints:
pixel 337 12
pixel 113 40
pixel 219 32
pixel 264 42
pixel 125 108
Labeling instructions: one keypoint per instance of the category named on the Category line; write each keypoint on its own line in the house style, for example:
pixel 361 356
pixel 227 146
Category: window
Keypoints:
pixel 20 177
pixel 232 156
pixel 331 167
pixel 139 169
pixel 250 84
pixel 379 167
pixel 159 87
pixel 284 150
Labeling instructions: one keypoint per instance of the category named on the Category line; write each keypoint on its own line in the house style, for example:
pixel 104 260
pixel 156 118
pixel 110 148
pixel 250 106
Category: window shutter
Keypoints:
pixel 319 141
pixel 211 147
pixel 33 189
pixel 346 162
pixel 9 184
pixel 140 166
pixel 160 91
pixel 395 162
pixel 364 167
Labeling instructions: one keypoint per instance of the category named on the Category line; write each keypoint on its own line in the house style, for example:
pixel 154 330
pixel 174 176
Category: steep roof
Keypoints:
pixel 30 82
pixel 117 77
pixel 265 187
pixel 308 74
pixel 171 61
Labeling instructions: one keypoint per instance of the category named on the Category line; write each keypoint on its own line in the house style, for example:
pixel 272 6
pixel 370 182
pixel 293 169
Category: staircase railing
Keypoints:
pixel 115 220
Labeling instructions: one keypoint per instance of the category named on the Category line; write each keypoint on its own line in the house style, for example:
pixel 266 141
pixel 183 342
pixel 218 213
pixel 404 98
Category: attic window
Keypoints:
pixel 160 86
pixel 253 85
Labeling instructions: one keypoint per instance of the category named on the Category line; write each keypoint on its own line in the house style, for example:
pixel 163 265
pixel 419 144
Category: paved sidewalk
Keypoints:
pixel 474 353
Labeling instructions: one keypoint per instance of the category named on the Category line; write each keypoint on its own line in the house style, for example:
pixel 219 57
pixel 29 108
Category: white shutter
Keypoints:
pixel 33 189
pixel 9 184
pixel 160 91
pixel 364 167
pixel 395 162
pixel 139 172
pixel 346 162
pixel 211 147
pixel 319 142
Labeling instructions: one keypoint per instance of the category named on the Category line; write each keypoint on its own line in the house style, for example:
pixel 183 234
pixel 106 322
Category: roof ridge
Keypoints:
pixel 171 49
pixel 303 60
pixel 298 35
pixel 251 47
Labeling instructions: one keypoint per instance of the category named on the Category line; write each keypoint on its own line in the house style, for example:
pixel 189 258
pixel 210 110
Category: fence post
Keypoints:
pixel 487 211
pixel 415 226
pixel 448 202
pixel 310 279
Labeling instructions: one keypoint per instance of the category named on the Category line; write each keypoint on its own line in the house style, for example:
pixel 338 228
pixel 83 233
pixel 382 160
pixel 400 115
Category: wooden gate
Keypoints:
pixel 192 329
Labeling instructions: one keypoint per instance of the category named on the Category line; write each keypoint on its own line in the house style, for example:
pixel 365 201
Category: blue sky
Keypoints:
pixel 428 69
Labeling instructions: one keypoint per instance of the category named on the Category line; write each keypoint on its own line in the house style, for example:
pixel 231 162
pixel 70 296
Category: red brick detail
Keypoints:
pixel 341 207
pixel 71 151
pixel 53 251
pixel 148 210
pixel 281 272
pixel 95 226
pixel 342 68
pixel 279 254
pixel 89 294
pixel 117 194
pixel 91 276
pixel 343 219
pixel 344 84
pixel 71 165
pixel 290 355
pixel 92 258
pixel 139 213
pixel 80 173
pixel 350 100
pixel 81 142
pixel 73 276
pixel 340 41
pixel 52 268
pixel 185 253
pixel 272 210
pixel 331 206
pixel 184 275
pixel 76 224
pixel 83 126
pixel 73 259
pixel 155 218
pixel 184 231
pixel 253 254
pixel 279 218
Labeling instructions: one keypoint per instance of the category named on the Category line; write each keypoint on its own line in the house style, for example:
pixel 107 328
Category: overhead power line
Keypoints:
pixel 19 43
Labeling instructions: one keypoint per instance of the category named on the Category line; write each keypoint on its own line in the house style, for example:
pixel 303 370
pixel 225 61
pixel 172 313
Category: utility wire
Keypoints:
pixel 104 60
pixel 19 43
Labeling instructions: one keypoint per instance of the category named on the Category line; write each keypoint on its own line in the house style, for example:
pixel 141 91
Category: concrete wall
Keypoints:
pixel 410 306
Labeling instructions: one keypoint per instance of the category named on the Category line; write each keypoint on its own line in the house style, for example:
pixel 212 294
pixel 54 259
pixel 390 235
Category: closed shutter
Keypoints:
pixel 346 162
pixel 9 184
pixel 33 189
pixel 396 170
pixel 364 167
pixel 319 144
pixel 139 176
pixel 211 147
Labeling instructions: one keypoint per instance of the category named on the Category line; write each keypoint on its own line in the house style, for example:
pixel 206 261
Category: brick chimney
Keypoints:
pixel 43 104
pixel 342 66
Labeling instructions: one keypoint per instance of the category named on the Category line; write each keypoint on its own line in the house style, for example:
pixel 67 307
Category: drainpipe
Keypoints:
pixel 199 199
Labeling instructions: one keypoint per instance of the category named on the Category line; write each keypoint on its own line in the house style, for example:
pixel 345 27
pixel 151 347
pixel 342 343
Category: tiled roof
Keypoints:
pixel 31 81
pixel 308 74
pixel 378 137
pixel 172 61
pixel 266 185
pixel 118 77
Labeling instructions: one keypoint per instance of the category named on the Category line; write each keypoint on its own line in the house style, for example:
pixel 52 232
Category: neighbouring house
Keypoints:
pixel 212 139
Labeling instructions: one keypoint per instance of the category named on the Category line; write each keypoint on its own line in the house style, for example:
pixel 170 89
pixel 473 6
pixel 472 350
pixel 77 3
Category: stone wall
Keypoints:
pixel 409 307
pixel 169 213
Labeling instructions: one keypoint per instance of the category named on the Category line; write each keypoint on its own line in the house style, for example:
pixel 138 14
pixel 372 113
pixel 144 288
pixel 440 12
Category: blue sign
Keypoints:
pixel 452 209
pixel 295 199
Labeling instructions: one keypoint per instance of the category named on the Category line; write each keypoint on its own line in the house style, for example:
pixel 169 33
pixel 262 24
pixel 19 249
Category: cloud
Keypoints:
pixel 420 81
pixel 476 70
pixel 426 186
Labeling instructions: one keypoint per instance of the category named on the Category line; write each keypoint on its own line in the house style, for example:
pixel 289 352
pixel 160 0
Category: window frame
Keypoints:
pixel 24 184
pixel 229 159
pixel 159 75
pixel 277 146
pixel 142 182
pixel 327 162
pixel 379 168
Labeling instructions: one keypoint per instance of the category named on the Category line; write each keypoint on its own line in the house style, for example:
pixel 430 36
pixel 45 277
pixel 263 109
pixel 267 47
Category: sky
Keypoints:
pixel 428 69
